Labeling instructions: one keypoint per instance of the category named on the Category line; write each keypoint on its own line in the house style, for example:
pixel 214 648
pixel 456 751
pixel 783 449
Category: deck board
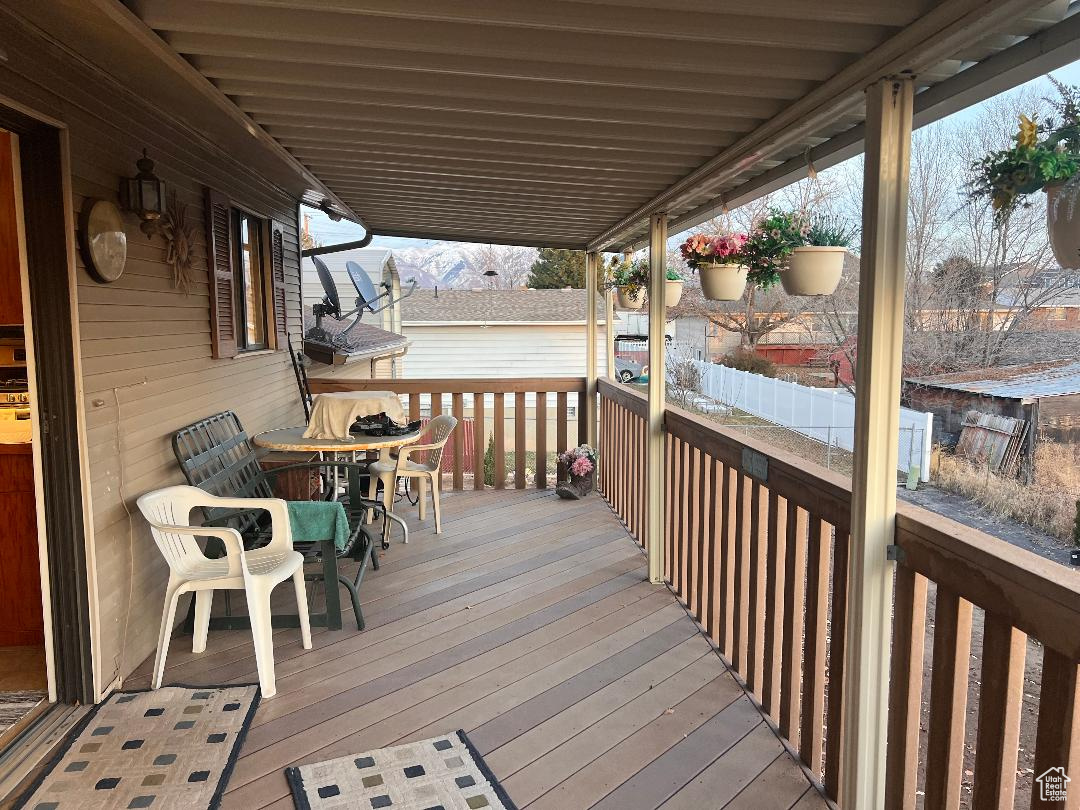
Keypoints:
pixel 529 623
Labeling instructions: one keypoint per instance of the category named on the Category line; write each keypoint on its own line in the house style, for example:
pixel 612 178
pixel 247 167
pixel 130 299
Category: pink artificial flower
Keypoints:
pixel 581 466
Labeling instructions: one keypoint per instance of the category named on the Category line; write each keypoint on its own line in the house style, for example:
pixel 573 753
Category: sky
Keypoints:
pixel 327 232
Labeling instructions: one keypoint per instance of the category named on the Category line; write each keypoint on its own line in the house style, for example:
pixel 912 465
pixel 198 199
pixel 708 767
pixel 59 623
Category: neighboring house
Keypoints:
pixel 498 333
pixel 1045 394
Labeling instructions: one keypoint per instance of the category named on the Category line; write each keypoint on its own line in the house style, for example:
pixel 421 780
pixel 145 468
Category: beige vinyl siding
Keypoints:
pixel 144 345
pixel 499 350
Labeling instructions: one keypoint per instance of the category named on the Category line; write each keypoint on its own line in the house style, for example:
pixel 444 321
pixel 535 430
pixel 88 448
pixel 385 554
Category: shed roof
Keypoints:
pixel 563 123
pixel 426 307
pixel 1030 381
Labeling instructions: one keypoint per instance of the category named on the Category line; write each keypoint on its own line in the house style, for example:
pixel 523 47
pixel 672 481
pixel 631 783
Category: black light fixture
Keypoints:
pixel 144 194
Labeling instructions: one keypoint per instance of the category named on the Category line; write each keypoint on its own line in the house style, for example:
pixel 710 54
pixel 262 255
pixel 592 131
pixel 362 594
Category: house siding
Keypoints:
pixel 145 347
pixel 499 350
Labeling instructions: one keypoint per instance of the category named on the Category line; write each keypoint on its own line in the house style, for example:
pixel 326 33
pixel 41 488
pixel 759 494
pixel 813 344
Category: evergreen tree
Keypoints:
pixel 555 269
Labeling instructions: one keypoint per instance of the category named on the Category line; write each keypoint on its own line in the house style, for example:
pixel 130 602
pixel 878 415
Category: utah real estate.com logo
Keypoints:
pixel 1053 785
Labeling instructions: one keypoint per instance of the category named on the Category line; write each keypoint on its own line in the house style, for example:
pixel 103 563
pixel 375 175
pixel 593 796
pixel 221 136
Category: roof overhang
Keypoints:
pixel 560 124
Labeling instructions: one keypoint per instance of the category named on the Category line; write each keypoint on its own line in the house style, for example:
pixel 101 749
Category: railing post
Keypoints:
pixel 654 483
pixel 877 420
pixel 589 411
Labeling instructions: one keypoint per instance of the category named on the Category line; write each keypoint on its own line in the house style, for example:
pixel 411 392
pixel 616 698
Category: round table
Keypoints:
pixel 292 439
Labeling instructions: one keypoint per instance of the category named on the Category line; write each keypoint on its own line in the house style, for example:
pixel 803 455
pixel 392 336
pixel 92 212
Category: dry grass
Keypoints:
pixel 1049 504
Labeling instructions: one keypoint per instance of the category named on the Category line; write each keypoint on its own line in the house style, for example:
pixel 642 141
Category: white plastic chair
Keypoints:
pixel 257 572
pixel 388 470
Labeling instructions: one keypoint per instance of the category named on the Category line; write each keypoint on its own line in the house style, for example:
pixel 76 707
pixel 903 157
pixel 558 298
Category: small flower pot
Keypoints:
pixel 1063 224
pixel 814 270
pixel 672 293
pixel 628 300
pixel 723 282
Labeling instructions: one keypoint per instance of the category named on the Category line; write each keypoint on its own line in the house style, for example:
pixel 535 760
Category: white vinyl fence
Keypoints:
pixel 824 414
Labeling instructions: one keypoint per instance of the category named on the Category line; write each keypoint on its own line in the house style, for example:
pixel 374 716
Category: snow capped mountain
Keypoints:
pixel 458 265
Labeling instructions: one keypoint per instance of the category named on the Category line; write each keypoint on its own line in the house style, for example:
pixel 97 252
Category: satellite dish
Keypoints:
pixel 365 288
pixel 332 301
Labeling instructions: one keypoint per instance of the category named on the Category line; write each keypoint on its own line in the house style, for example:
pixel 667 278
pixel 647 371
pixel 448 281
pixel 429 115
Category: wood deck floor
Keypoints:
pixel 529 623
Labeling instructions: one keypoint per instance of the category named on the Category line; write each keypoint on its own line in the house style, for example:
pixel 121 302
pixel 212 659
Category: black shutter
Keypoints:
pixel 278 295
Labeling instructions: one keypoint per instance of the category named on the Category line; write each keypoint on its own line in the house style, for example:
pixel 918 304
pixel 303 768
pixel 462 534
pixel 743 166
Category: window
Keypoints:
pixel 246 260
pixel 249 279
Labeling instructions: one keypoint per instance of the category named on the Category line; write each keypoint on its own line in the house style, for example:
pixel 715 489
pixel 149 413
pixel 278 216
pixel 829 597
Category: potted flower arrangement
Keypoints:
pixel 580 464
pixel 673 287
pixel 770 244
pixel 629 283
pixel 816 266
pixel 718 260
pixel 1043 157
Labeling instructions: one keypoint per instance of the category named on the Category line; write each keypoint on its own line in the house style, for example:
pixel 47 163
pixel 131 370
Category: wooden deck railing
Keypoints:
pixel 756 546
pixel 530 431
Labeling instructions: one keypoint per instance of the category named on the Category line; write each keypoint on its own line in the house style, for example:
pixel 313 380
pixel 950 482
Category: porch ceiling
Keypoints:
pixel 566 123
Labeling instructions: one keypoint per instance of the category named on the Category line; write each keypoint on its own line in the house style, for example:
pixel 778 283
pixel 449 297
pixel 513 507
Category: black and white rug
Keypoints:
pixel 167 748
pixel 443 773
pixel 15 705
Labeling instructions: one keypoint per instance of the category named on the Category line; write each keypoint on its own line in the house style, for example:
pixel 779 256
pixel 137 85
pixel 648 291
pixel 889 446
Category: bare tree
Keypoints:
pixel 682 373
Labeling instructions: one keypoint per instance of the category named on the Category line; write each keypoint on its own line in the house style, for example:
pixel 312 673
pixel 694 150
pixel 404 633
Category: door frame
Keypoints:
pixel 51 325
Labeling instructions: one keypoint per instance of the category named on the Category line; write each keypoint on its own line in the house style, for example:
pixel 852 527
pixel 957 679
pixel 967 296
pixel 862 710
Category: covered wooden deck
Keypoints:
pixel 531 625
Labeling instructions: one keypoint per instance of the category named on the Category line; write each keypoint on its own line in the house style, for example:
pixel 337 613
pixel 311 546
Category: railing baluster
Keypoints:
pixel 817 607
pixel 669 512
pixel 582 414
pixel 703 583
pixel 499 426
pixel 458 404
pixel 905 691
pixel 742 572
pixel 1001 695
pixel 756 589
pixel 414 406
pixel 716 481
pixel 834 726
pixel 541 440
pixel 436 410
pixel 520 418
pixel 562 409
pixel 774 603
pixel 1056 743
pixel 479 440
pixel 727 562
pixel 948 700
pixel 794 600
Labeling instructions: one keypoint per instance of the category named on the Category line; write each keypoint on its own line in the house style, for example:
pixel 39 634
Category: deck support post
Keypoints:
pixel 877 423
pixel 654 483
pixel 609 333
pixel 592 263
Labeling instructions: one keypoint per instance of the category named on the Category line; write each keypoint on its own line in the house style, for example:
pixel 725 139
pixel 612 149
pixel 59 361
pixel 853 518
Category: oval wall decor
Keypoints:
pixel 103 240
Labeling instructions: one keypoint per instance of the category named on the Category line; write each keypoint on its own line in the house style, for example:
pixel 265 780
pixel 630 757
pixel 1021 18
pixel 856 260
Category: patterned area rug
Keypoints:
pixel 170 748
pixel 14 705
pixel 443 773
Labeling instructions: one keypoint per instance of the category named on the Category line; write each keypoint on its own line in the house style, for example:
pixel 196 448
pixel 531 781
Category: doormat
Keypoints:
pixel 443 773
pixel 15 705
pixel 166 748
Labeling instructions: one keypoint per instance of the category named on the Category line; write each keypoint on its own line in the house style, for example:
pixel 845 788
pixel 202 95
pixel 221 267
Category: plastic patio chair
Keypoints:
pixel 257 571
pixel 388 470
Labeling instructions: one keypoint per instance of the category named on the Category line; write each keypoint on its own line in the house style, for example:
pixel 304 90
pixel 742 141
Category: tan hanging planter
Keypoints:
pixel 723 282
pixel 1063 223
pixel 814 270
pixel 672 292
pixel 630 300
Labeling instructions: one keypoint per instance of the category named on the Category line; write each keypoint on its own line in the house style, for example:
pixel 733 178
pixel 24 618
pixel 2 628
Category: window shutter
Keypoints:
pixel 278 294
pixel 219 261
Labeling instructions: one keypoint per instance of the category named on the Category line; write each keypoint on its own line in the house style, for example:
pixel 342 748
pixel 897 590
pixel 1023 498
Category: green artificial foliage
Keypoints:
pixel 770 243
pixel 1076 524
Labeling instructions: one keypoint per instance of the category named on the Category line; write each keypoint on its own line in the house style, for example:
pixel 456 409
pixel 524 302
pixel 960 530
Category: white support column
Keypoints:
pixel 654 485
pixel 589 411
pixel 877 422
pixel 609 333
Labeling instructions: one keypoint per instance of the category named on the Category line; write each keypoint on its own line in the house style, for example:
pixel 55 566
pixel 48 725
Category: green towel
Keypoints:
pixel 313 521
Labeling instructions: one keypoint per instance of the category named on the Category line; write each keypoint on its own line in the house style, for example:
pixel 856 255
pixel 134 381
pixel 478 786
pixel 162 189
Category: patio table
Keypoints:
pixel 292 440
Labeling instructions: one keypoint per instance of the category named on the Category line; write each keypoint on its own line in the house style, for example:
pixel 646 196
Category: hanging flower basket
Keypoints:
pixel 630 298
pixel 1063 222
pixel 723 282
pixel 672 292
pixel 814 270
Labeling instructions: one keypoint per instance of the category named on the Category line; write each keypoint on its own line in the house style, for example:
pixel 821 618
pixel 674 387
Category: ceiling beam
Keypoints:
pixel 949 27
pixel 768 81
pixel 759 42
